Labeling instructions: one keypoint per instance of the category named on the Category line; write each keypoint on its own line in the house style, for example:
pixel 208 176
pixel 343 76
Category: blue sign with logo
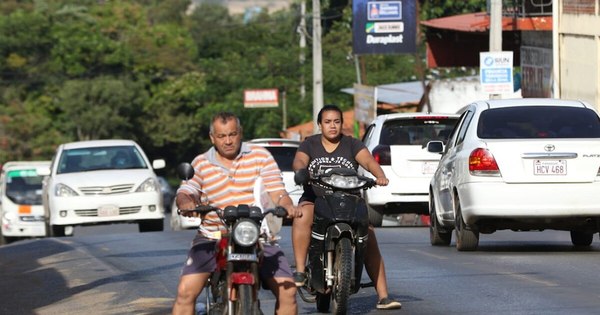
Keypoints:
pixel 384 27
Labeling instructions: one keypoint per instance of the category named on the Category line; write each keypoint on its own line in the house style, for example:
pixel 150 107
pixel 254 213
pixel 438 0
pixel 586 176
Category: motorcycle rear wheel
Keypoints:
pixel 342 268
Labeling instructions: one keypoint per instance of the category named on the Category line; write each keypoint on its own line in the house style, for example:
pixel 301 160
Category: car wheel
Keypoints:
pixel 57 230
pixel 466 239
pixel 154 225
pixel 579 238
pixel 437 235
pixel 375 217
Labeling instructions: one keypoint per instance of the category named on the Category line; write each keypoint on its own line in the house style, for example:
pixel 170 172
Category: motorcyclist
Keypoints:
pixel 225 175
pixel 332 149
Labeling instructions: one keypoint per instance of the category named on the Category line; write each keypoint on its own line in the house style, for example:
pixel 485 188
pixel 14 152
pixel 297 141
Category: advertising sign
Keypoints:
pixel 496 72
pixel 261 98
pixel 536 69
pixel 365 103
pixel 384 27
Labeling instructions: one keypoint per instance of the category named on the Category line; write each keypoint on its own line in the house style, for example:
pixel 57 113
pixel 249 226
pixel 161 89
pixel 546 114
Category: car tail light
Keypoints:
pixel 382 154
pixel 482 162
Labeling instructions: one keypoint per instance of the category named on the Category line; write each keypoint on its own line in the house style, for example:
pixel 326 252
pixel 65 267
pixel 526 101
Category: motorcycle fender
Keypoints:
pixel 242 278
pixel 335 232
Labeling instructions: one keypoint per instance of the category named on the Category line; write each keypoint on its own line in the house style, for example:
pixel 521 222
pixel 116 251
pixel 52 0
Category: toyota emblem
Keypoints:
pixel 549 147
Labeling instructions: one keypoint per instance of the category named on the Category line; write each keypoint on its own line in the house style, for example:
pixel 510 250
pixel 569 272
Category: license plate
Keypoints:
pixel 429 167
pixel 241 257
pixel 108 211
pixel 550 167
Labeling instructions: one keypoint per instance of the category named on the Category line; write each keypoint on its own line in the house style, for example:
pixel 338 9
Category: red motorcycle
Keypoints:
pixel 233 287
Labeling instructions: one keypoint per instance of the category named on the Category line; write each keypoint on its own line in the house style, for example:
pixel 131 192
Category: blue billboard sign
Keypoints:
pixel 384 27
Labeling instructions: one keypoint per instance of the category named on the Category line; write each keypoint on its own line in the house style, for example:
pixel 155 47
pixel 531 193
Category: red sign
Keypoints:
pixel 261 98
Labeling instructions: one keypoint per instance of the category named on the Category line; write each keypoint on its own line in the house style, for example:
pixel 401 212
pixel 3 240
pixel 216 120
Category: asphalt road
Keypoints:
pixel 116 270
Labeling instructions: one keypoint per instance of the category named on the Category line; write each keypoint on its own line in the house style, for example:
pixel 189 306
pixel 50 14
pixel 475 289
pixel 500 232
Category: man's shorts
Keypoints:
pixel 201 259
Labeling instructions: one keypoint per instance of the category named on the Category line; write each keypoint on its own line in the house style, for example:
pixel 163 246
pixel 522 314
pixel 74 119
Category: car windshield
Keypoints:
pixel 100 158
pixel 24 187
pixel 529 122
pixel 417 131
pixel 284 156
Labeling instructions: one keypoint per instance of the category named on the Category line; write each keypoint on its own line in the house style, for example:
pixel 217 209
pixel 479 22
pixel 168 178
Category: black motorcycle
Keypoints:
pixel 338 240
pixel 233 287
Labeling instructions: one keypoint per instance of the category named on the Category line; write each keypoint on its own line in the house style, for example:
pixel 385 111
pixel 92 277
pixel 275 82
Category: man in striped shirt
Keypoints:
pixel 225 175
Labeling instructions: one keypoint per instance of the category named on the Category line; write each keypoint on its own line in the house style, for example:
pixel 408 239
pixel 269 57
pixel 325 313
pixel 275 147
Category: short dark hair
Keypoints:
pixel 329 107
pixel 224 117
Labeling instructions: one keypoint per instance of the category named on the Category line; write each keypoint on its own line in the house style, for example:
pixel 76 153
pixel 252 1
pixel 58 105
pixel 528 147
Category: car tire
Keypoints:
pixel 466 239
pixel 437 235
pixel 579 238
pixel 155 225
pixel 375 217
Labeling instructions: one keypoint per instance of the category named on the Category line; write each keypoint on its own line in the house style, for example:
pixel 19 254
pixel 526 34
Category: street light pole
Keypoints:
pixel 317 64
pixel 495 31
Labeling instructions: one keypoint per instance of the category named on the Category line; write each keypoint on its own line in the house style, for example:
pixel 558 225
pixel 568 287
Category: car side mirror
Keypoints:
pixel 185 171
pixel 158 164
pixel 435 146
pixel 301 176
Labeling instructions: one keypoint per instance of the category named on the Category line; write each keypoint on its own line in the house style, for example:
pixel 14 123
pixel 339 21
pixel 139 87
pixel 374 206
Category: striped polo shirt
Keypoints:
pixel 231 187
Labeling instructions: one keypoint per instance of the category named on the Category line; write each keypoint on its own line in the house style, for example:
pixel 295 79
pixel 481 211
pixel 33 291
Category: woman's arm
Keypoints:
pixel 367 161
pixel 300 161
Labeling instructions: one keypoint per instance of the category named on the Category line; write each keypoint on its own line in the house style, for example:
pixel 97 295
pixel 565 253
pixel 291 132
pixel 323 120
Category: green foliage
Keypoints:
pixel 145 70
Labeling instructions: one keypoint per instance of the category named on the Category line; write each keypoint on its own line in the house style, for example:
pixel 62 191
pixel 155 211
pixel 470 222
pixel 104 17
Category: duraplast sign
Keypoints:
pixel 496 72
pixel 384 27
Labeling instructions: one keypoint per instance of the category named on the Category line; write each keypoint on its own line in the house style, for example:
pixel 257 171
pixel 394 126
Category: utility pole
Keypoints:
pixel 317 64
pixel 302 31
pixel 495 31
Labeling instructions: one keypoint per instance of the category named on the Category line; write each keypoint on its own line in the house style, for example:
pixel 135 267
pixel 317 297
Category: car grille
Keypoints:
pixel 107 190
pixel 94 212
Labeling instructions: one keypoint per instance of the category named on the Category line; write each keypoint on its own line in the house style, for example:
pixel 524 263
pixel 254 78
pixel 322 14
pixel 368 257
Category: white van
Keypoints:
pixel 21 209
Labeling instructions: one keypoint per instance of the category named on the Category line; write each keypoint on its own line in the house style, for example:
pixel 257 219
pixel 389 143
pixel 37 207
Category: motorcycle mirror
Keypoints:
pixel 301 176
pixel 185 171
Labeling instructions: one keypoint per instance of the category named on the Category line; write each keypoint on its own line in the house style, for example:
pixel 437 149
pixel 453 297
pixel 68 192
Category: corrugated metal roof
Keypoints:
pixel 397 93
pixel 480 22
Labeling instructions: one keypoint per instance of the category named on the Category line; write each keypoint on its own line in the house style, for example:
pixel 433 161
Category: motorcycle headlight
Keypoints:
pixel 344 182
pixel 245 233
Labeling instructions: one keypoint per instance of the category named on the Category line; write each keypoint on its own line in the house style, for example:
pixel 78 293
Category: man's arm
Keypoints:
pixel 281 198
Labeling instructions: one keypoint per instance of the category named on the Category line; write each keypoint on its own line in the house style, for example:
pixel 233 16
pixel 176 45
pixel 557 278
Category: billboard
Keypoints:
pixel 496 72
pixel 384 27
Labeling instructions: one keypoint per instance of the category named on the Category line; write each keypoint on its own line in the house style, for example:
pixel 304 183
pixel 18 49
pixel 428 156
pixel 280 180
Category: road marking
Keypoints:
pixel 428 254
pixel 530 278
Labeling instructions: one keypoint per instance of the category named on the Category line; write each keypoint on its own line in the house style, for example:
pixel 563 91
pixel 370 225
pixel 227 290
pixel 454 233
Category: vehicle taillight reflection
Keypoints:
pixel 482 162
pixel 382 155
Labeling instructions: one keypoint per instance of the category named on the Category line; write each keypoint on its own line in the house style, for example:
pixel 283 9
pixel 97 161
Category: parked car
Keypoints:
pixel 168 193
pixel 21 210
pixel 398 142
pixel 102 182
pixel 519 164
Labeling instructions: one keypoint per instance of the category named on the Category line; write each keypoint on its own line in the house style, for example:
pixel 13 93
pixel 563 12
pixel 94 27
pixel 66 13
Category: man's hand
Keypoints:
pixel 293 212
pixel 186 202
pixel 382 181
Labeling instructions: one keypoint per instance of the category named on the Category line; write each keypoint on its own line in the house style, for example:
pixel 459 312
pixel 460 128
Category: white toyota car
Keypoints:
pixel 102 182
pixel 398 142
pixel 518 164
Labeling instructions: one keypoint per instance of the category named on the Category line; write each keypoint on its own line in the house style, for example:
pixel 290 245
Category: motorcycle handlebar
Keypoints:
pixel 201 209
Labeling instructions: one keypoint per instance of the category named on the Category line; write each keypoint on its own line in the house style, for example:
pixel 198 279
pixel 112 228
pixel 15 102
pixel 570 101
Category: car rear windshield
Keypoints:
pixel 284 156
pixel 100 158
pixel 416 131
pixel 529 122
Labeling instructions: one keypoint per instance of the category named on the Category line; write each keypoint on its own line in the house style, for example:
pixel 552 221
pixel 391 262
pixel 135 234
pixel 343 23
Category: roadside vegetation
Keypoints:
pixel 151 71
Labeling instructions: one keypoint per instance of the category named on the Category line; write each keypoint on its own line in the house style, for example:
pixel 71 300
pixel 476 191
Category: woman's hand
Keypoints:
pixel 382 181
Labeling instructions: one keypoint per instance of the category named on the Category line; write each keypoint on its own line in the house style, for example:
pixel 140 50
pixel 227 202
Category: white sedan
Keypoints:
pixel 523 165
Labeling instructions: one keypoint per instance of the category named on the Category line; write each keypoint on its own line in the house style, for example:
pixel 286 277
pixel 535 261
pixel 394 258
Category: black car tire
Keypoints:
pixel 466 239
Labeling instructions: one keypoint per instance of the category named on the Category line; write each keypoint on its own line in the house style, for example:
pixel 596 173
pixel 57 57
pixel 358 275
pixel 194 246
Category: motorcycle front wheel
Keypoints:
pixel 342 268
pixel 245 304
